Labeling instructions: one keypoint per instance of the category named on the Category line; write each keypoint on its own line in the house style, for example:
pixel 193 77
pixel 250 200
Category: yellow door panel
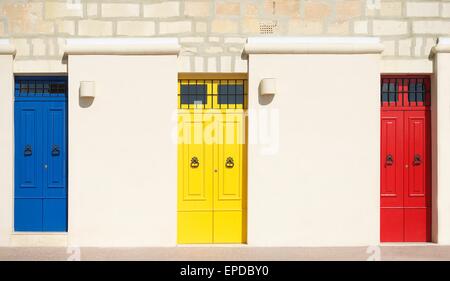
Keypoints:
pixel 195 227
pixel 195 180
pixel 230 227
pixel 228 190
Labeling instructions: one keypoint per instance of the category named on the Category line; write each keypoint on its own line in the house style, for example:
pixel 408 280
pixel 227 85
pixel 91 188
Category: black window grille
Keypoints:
pixel 405 91
pixel 40 86
pixel 212 93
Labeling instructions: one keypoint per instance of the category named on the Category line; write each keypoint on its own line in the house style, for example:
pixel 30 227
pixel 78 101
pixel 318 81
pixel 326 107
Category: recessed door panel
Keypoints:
pixel 416 193
pixel 229 151
pixel 194 165
pixel 391 159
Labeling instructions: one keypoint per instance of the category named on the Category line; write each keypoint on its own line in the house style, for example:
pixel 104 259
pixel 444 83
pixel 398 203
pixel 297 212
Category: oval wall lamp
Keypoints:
pixel 268 86
pixel 87 89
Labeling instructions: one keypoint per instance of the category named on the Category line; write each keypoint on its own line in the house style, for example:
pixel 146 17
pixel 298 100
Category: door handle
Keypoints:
pixel 229 163
pixel 417 160
pixel 194 162
pixel 55 150
pixel 28 150
pixel 389 160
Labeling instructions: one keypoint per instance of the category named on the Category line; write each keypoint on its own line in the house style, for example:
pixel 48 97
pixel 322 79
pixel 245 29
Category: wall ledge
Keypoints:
pixel 6 48
pixel 122 46
pixel 313 45
pixel 442 46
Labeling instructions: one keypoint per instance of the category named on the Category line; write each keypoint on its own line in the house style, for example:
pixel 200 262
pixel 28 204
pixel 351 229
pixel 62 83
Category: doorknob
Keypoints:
pixel 389 160
pixel 417 159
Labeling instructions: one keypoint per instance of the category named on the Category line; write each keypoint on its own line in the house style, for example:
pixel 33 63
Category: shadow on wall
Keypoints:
pixel 264 99
pixel 86 102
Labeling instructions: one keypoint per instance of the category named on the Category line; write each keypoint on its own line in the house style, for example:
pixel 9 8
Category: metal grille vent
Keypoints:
pixel 267 27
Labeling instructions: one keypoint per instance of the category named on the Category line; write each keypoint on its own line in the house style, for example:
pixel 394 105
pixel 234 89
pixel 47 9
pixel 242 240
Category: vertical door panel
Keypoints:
pixel 195 180
pixel 391 176
pixel 391 159
pixel 195 165
pixel 28 167
pixel 28 159
pixel 55 150
pixel 229 213
pixel 416 181
pixel 229 151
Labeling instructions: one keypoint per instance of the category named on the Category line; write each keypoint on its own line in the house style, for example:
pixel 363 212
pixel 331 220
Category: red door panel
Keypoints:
pixel 391 159
pixel 416 162
pixel 392 226
pixel 417 224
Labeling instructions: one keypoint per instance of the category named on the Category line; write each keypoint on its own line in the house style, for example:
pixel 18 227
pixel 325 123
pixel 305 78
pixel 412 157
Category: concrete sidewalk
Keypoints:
pixel 385 252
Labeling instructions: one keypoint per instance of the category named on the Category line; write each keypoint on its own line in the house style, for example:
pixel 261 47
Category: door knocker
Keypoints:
pixel 389 160
pixel 28 150
pixel 229 163
pixel 55 150
pixel 417 159
pixel 194 162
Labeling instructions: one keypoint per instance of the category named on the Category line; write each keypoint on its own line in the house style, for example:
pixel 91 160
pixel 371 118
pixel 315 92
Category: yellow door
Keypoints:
pixel 211 166
pixel 229 192
pixel 195 181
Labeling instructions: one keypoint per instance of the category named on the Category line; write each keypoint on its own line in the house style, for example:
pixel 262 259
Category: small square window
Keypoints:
pixel 193 94
pixel 231 94
pixel 389 92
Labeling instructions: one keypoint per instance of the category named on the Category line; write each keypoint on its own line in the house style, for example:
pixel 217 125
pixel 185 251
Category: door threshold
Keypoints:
pixel 407 244
pixel 231 245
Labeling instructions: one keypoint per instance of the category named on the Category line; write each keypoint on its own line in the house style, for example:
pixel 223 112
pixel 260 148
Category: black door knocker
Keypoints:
pixel 229 163
pixel 55 150
pixel 417 159
pixel 28 150
pixel 389 160
pixel 194 162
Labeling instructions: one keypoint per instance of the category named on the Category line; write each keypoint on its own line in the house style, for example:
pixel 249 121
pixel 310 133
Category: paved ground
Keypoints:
pixel 385 252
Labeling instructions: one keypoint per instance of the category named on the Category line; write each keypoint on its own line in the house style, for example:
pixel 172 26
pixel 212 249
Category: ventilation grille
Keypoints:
pixel 268 27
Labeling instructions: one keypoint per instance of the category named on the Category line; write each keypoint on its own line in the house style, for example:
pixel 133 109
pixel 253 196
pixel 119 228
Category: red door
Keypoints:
pixel 405 160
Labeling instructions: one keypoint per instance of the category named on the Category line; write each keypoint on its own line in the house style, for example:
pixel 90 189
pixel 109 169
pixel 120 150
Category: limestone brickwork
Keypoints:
pixel 212 32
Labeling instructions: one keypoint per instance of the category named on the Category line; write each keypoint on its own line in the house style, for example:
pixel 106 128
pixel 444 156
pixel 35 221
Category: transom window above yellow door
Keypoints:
pixel 212 93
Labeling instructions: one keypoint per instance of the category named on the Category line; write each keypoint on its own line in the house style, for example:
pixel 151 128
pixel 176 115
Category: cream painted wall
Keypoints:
pixel 321 187
pixel 6 148
pixel 122 159
pixel 441 184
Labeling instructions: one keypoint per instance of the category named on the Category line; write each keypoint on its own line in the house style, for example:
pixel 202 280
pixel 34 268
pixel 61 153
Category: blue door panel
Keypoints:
pixel 28 214
pixel 55 214
pixel 40 121
pixel 55 155
pixel 28 176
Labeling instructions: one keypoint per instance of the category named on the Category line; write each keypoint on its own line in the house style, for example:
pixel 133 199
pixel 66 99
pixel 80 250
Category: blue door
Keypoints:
pixel 40 125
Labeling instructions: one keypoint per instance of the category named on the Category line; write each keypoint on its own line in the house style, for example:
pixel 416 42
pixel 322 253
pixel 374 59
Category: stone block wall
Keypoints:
pixel 212 32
